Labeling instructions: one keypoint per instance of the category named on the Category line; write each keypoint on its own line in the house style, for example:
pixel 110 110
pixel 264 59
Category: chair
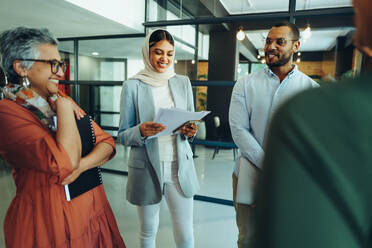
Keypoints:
pixel 221 142
pixel 217 124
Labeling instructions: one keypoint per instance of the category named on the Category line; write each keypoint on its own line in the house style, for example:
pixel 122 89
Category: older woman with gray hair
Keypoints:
pixel 45 155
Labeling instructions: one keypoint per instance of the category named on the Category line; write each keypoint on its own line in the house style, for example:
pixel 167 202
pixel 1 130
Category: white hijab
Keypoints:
pixel 149 75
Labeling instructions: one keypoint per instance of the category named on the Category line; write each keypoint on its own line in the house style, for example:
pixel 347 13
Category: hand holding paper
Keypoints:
pixel 150 128
pixel 173 119
pixel 189 129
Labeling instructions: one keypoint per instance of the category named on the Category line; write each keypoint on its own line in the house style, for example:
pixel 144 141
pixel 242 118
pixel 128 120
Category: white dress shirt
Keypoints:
pixel 167 144
pixel 255 98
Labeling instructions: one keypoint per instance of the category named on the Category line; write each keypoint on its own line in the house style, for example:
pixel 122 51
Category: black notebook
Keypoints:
pixel 91 178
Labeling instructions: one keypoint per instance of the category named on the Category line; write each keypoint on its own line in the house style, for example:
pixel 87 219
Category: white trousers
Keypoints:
pixel 180 207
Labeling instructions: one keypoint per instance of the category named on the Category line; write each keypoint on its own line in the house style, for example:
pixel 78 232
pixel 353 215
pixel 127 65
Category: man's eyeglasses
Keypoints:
pixel 279 41
pixel 54 64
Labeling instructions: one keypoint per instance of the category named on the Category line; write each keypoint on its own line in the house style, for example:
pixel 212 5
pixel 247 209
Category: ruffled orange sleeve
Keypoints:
pixel 102 136
pixel 26 143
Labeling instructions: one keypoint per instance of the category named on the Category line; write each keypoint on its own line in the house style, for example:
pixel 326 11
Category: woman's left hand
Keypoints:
pixel 78 114
pixel 188 130
pixel 73 176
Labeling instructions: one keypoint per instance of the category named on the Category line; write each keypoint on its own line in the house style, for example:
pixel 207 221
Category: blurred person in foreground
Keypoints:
pixel 45 155
pixel 316 184
pixel 255 98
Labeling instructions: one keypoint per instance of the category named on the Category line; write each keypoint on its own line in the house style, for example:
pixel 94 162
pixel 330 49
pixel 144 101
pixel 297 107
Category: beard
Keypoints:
pixel 282 59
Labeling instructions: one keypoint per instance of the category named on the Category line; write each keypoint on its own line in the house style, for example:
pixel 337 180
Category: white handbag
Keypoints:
pixel 247 182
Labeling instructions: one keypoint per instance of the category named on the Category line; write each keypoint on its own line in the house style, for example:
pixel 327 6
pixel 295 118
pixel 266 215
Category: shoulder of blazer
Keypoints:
pixel 131 82
pixel 181 77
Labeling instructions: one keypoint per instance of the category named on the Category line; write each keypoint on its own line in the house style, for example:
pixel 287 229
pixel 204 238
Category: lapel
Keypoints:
pixel 177 92
pixel 145 103
pixel 146 112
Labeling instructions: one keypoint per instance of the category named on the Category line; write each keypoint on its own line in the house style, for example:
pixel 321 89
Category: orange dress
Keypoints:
pixel 39 215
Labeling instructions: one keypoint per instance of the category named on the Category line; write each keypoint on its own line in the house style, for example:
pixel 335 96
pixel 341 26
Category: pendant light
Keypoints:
pixel 240 35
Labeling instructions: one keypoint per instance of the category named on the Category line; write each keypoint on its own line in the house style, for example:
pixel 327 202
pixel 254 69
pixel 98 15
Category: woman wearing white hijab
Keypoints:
pixel 160 166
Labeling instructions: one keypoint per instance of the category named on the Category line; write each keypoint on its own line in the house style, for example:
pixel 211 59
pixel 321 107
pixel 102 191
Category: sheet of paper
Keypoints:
pixel 173 118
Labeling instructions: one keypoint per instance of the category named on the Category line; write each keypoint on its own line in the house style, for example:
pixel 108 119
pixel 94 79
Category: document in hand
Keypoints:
pixel 174 118
pixel 247 182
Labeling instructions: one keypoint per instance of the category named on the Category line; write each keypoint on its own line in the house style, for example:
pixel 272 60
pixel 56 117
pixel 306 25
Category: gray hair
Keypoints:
pixel 22 43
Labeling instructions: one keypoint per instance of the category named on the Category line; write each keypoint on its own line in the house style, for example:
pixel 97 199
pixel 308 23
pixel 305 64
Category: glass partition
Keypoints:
pixel 321 4
pixel 67 52
pixel 107 60
pixel 165 10
pixel 242 70
pixel 239 7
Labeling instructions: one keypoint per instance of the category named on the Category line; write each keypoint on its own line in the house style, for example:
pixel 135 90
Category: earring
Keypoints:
pixel 6 80
pixel 25 82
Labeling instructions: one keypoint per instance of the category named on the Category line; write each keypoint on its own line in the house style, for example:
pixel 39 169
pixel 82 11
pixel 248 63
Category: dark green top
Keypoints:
pixel 316 189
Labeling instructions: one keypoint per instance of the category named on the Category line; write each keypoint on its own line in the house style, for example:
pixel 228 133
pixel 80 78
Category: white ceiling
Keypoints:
pixel 65 19
pixel 235 7
pixel 320 40
pixel 60 17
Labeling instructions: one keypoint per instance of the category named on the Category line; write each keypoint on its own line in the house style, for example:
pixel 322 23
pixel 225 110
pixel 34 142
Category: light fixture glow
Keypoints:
pixel 298 60
pixel 192 61
pixel 258 56
pixel 95 53
pixel 240 35
pixel 176 61
pixel 306 34
pixel 298 54
pixel 263 61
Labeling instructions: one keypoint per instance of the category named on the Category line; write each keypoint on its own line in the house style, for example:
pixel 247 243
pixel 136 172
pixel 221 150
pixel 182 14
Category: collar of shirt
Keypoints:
pixel 290 74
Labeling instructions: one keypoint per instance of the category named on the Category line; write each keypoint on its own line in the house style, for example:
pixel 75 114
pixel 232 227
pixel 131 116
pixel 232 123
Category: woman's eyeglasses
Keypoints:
pixel 54 64
pixel 279 41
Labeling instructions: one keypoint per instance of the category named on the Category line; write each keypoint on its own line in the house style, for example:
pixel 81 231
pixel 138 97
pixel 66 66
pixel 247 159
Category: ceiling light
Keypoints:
pixel 95 53
pixel 176 61
pixel 240 35
pixel 258 56
pixel 263 61
pixel 298 60
pixel 306 34
pixel 298 54
pixel 261 52
pixel 192 61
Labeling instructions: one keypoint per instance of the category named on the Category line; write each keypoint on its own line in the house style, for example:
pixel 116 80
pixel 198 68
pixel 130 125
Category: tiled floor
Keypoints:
pixel 214 224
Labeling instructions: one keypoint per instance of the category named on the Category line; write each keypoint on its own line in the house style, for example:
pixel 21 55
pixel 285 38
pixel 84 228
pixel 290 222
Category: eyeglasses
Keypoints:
pixel 278 41
pixel 54 64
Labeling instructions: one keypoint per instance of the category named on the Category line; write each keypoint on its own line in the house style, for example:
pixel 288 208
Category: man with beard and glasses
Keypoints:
pixel 254 99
